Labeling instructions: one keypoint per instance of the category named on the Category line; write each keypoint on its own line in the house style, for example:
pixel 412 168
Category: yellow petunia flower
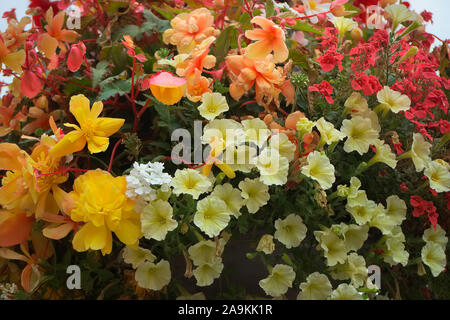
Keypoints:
pixel 396 209
pixel 290 231
pixel 157 221
pixel 93 130
pixel 328 133
pixel 343 25
pixel 256 131
pixel 213 104
pixel 438 173
pixel 206 273
pixel 319 168
pixel 356 102
pixel 231 196
pixel 202 252
pixel 279 280
pixel 333 247
pixel 384 154
pixel 437 236
pixel 255 194
pixel 345 292
pixel 283 145
pixel 272 167
pixel 419 153
pixel 99 200
pixel 137 256
pixel 360 134
pixel 212 215
pixel 191 182
pixel 394 251
pixel 354 235
pixel 399 13
pixel 393 100
pixel 316 287
pixel 433 255
pixel 266 244
pixel 354 268
pixel 153 276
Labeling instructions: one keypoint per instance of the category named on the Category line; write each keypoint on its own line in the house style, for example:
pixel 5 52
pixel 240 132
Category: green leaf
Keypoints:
pixel 298 58
pixel 132 30
pixel 304 26
pixel 154 23
pixel 270 10
pixel 111 89
pixel 244 21
pixel 223 43
pixel 99 72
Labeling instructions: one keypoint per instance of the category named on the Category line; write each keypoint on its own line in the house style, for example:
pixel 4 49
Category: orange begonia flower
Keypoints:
pixel 165 87
pixel 55 35
pixel 198 60
pixel 190 29
pixel 15 36
pixel 13 60
pixel 197 85
pixel 8 120
pixel 270 38
pixel 93 130
pixel 269 80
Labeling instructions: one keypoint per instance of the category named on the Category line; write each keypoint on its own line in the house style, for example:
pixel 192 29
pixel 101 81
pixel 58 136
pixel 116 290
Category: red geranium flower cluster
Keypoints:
pixel 422 206
pixel 325 89
pixel 368 84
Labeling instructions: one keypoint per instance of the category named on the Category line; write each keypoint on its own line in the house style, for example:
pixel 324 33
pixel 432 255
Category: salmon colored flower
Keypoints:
pixel 76 56
pixel 270 38
pixel 93 130
pixel 197 85
pixel 165 87
pixel 9 119
pixel 198 60
pixel 190 29
pixel 110 212
pixel 15 35
pixel 269 80
pixel 55 35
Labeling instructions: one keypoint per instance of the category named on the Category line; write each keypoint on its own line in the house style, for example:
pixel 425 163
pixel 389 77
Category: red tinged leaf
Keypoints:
pixel 30 84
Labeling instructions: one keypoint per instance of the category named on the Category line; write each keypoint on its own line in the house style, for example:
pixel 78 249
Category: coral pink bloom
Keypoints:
pixel 165 87
pixel 76 55
pixel 199 59
pixel 270 38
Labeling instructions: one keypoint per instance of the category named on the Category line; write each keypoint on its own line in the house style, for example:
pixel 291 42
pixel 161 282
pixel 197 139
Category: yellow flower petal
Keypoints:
pixel 72 142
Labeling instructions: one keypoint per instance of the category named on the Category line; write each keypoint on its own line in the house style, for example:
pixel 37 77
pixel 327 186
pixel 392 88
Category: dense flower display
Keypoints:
pixel 224 150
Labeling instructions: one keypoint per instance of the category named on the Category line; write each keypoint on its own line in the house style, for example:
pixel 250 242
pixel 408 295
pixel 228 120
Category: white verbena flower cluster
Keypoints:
pixel 143 177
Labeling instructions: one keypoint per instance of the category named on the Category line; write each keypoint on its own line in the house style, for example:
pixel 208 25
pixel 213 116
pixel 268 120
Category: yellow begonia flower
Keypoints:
pixel 438 173
pixel 212 215
pixel 206 273
pixel 328 133
pixel 419 153
pixel 360 134
pixel 266 244
pixel 255 194
pixel 345 292
pixel 319 168
pixel 157 221
pixel 153 276
pixel 272 167
pixel 354 268
pixel 399 13
pixel 256 131
pixel 356 102
pixel 279 280
pixel 343 25
pixel 291 231
pixel 393 100
pixel 137 256
pixel 166 88
pixel 396 209
pixel 316 287
pixel 354 235
pixel 384 154
pixel 213 104
pixel 93 130
pixel 283 145
pixel 191 182
pixel 304 125
pixel 436 236
pixel 333 247
pixel 231 196
pixel 99 200
pixel 433 255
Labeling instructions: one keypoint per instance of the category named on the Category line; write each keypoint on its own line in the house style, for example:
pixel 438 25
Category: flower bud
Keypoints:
pixel 357 34
pixel 410 53
pixel 338 11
